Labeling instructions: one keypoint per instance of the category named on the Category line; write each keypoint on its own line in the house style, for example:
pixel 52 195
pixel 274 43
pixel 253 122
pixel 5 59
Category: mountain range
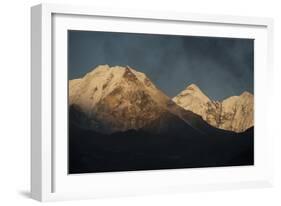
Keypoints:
pixel 112 99
pixel 120 121
pixel 234 113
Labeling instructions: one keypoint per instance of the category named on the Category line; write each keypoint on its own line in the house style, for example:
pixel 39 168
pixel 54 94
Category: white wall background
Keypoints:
pixel 15 101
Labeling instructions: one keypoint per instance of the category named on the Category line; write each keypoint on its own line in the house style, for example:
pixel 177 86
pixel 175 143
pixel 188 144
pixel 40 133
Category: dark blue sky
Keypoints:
pixel 221 67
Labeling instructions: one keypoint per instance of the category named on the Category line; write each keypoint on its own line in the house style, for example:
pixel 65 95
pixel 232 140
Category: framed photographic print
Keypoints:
pixel 136 102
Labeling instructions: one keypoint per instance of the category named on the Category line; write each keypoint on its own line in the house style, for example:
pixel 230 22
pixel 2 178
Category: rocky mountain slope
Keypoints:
pixel 234 113
pixel 113 99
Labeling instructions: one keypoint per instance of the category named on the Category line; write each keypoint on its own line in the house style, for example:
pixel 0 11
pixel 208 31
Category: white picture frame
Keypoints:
pixel 49 179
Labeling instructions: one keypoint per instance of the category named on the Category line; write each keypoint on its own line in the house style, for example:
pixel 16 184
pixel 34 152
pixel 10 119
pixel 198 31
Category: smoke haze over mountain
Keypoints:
pixel 222 67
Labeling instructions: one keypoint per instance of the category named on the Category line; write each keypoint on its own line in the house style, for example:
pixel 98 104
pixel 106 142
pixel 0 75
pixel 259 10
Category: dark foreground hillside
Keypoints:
pixel 182 147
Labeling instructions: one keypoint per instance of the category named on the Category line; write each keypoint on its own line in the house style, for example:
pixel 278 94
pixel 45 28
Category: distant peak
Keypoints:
pixel 193 87
pixel 100 68
pixel 194 91
pixel 128 69
pixel 246 94
pixel 129 74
